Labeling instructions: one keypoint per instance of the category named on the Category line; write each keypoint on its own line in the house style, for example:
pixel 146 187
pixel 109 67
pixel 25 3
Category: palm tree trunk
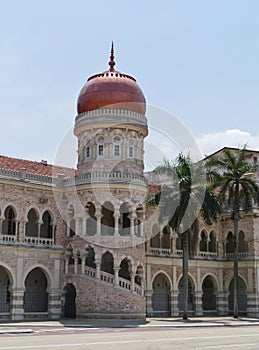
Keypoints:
pixel 185 274
pixel 235 265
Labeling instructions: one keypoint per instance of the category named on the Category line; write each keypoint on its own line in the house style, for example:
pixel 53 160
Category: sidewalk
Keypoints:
pixel 31 326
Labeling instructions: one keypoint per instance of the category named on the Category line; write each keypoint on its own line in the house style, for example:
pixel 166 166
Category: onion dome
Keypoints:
pixel 111 89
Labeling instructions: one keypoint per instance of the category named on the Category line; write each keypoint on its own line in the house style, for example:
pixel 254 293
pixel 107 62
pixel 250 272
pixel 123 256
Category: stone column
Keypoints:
pixel 142 227
pixel 54 227
pixel 39 226
pixel 148 296
pixel 68 228
pixel 132 283
pixel 116 276
pixel 1 227
pixel 222 303
pixel 54 307
pixel 83 265
pixel 116 216
pixel 84 233
pixel 98 270
pixel 17 310
pixel 21 231
pixel 252 305
pixel 77 226
pixel 66 265
pixel 174 303
pixel 75 264
pixel 98 222
pixel 198 303
pixel 132 222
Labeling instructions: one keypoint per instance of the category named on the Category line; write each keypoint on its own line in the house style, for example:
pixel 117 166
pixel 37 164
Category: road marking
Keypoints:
pixel 131 342
pixel 224 346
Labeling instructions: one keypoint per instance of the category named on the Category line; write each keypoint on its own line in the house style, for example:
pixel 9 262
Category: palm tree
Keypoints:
pixel 181 203
pixel 230 178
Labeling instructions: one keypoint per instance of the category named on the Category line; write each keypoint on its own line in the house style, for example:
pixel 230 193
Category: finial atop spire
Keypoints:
pixel 112 62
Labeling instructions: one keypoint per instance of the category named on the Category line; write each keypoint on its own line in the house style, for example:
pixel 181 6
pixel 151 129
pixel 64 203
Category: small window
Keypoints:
pixel 116 150
pixel 100 139
pixel 116 139
pixel 100 150
pixel 255 159
pixel 131 153
pixel 87 152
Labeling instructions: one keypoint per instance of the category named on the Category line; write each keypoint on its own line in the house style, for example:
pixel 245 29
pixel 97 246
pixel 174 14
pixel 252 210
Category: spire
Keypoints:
pixel 112 62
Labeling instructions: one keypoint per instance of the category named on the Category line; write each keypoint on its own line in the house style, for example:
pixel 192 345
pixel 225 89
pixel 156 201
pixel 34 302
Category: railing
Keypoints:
pixel 106 277
pixel 160 251
pixel 114 176
pixel 208 255
pixel 89 271
pixel 8 238
pixel 179 252
pixel 123 283
pixel 39 241
pixel 230 256
pixel 20 175
pixel 138 289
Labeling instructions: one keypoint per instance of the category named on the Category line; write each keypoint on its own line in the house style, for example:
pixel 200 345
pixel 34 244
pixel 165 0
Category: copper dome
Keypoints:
pixel 111 89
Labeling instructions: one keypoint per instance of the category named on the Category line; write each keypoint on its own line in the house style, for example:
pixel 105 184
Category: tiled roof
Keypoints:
pixel 39 168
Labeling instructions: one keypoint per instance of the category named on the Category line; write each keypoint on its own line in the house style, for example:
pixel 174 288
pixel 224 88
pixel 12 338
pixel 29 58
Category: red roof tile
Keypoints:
pixel 34 167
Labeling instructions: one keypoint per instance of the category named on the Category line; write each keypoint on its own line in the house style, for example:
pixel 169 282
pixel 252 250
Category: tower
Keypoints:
pixel 105 210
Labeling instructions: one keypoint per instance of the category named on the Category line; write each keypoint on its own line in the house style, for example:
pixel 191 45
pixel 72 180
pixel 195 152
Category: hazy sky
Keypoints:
pixel 197 60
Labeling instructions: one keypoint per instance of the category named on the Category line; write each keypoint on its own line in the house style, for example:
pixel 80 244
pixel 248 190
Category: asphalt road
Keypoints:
pixel 221 338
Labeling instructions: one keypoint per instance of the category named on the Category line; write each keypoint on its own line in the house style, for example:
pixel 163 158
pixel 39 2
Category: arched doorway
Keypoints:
pixel 209 296
pixel 241 294
pixel 70 301
pixel 161 296
pixel 190 295
pixel 36 296
pixel 5 294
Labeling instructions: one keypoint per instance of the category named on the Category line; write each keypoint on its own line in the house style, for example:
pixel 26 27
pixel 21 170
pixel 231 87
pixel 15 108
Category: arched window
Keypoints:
pixel 100 142
pixel 131 149
pixel 124 221
pixel 90 257
pixel 213 242
pixel 91 225
pixel 230 243
pixel 32 224
pixel 165 239
pixel 46 227
pixel 116 143
pixel 242 244
pixel 179 241
pixel 9 222
pixel 203 242
pixel 107 263
pixel 124 271
pixel 107 220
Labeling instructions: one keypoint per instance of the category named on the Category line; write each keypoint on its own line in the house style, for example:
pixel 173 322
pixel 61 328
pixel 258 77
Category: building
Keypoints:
pixel 83 243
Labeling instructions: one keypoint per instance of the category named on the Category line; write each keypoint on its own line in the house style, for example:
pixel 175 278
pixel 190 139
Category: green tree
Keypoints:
pixel 230 176
pixel 181 202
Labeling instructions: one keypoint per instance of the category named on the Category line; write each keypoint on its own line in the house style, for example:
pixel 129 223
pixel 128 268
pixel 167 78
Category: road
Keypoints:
pixel 149 338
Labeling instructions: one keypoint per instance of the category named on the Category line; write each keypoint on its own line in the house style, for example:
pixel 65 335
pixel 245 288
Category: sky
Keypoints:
pixel 196 61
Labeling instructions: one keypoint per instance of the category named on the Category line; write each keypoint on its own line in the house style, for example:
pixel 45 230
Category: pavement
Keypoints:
pixel 31 326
